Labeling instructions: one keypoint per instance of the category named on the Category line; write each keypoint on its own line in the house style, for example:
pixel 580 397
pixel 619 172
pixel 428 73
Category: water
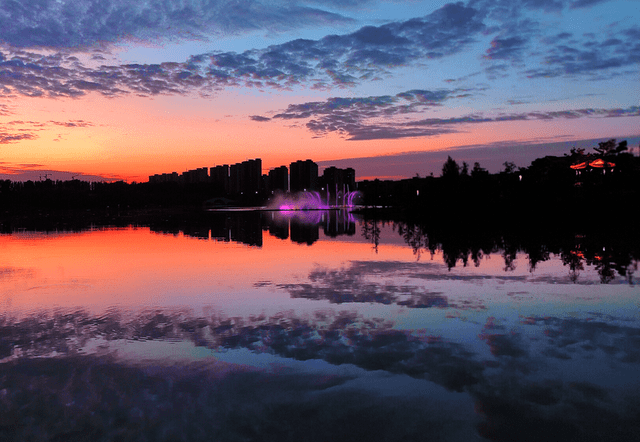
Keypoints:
pixel 314 326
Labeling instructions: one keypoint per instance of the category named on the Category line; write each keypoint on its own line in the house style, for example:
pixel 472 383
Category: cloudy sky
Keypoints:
pixel 129 88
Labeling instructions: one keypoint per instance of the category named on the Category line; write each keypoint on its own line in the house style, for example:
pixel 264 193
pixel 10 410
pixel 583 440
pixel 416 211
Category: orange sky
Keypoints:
pixel 134 137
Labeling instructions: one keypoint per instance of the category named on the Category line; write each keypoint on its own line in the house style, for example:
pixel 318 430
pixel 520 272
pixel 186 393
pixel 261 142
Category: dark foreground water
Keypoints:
pixel 314 326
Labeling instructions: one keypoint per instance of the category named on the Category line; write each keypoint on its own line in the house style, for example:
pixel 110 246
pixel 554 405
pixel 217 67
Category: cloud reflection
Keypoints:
pixel 350 285
pixel 513 397
pixel 78 396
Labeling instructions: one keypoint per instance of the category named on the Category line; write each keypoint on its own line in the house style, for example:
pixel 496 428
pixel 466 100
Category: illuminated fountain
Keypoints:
pixel 300 201
pixel 314 201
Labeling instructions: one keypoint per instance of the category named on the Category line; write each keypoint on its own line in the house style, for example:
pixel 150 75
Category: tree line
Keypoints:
pixel 550 185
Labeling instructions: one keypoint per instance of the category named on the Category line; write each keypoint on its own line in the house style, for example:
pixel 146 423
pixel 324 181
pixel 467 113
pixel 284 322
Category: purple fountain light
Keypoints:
pixel 313 201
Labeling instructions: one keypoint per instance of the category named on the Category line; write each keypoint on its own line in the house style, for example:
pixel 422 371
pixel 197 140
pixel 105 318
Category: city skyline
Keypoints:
pixel 245 178
pixel 123 89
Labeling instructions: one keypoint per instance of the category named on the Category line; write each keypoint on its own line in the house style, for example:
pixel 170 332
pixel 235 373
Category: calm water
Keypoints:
pixel 312 326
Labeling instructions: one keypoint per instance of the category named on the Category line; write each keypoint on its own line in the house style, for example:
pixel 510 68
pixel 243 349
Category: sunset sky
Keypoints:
pixel 123 89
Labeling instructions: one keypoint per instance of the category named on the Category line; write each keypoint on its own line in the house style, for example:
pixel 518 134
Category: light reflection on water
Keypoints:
pixel 230 331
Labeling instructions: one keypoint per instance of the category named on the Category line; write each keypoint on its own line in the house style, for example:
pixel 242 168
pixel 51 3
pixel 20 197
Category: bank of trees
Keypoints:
pixel 548 186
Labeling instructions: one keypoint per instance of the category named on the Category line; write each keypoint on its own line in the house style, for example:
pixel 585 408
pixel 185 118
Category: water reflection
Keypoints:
pixel 526 387
pixel 246 227
pixel 205 327
pixel 355 284
pixel 611 250
pixel 89 397
pixel 611 253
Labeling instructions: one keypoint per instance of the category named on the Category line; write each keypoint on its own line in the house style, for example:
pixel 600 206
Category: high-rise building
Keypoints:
pixel 279 179
pixel 220 178
pixel 200 175
pixel 303 176
pixel 172 177
pixel 245 177
pixel 234 179
pixel 251 176
pixel 337 184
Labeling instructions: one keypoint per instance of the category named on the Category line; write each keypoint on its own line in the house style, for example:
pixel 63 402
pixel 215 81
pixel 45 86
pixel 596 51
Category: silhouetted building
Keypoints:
pixel 172 177
pixel 279 179
pixel 235 179
pixel 220 179
pixel 337 183
pixel 252 176
pixel 200 175
pixel 303 176
pixel 245 178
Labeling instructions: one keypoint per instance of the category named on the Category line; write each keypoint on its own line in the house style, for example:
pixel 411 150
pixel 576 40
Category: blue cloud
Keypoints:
pixel 369 118
pixel 259 118
pixel 74 23
pixel 595 57
pixel 370 53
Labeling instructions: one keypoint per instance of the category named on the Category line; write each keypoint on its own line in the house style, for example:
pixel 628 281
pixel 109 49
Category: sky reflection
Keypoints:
pixel 156 332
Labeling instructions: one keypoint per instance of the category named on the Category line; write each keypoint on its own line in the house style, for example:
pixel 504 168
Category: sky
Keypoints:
pixel 124 89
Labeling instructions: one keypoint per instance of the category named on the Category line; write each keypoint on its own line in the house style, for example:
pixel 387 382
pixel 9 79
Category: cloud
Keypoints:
pixel 352 116
pixel 522 39
pixel 35 172
pixel 5 110
pixel 359 282
pixel 506 48
pixel 347 59
pixel 335 60
pixel 342 338
pixel 259 118
pixel 83 23
pixel 72 123
pixel 18 130
pixel 603 56
pixel 376 117
pixel 6 138
pixel 505 9
pixel 632 111
pixel 584 3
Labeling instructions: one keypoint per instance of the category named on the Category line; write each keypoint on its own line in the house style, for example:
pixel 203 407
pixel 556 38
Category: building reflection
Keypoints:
pixel 247 227
pixel 611 249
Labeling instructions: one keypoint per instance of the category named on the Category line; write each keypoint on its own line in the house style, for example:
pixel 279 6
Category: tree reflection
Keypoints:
pixel 415 238
pixel 371 231
pixel 611 254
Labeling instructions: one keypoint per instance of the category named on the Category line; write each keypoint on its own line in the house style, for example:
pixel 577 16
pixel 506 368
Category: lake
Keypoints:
pixel 320 325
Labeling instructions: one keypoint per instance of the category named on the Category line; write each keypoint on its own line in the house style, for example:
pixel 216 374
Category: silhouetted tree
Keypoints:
pixel 609 147
pixel 509 167
pixel 478 171
pixel 577 152
pixel 606 147
pixel 450 169
pixel 622 146
pixel 465 169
